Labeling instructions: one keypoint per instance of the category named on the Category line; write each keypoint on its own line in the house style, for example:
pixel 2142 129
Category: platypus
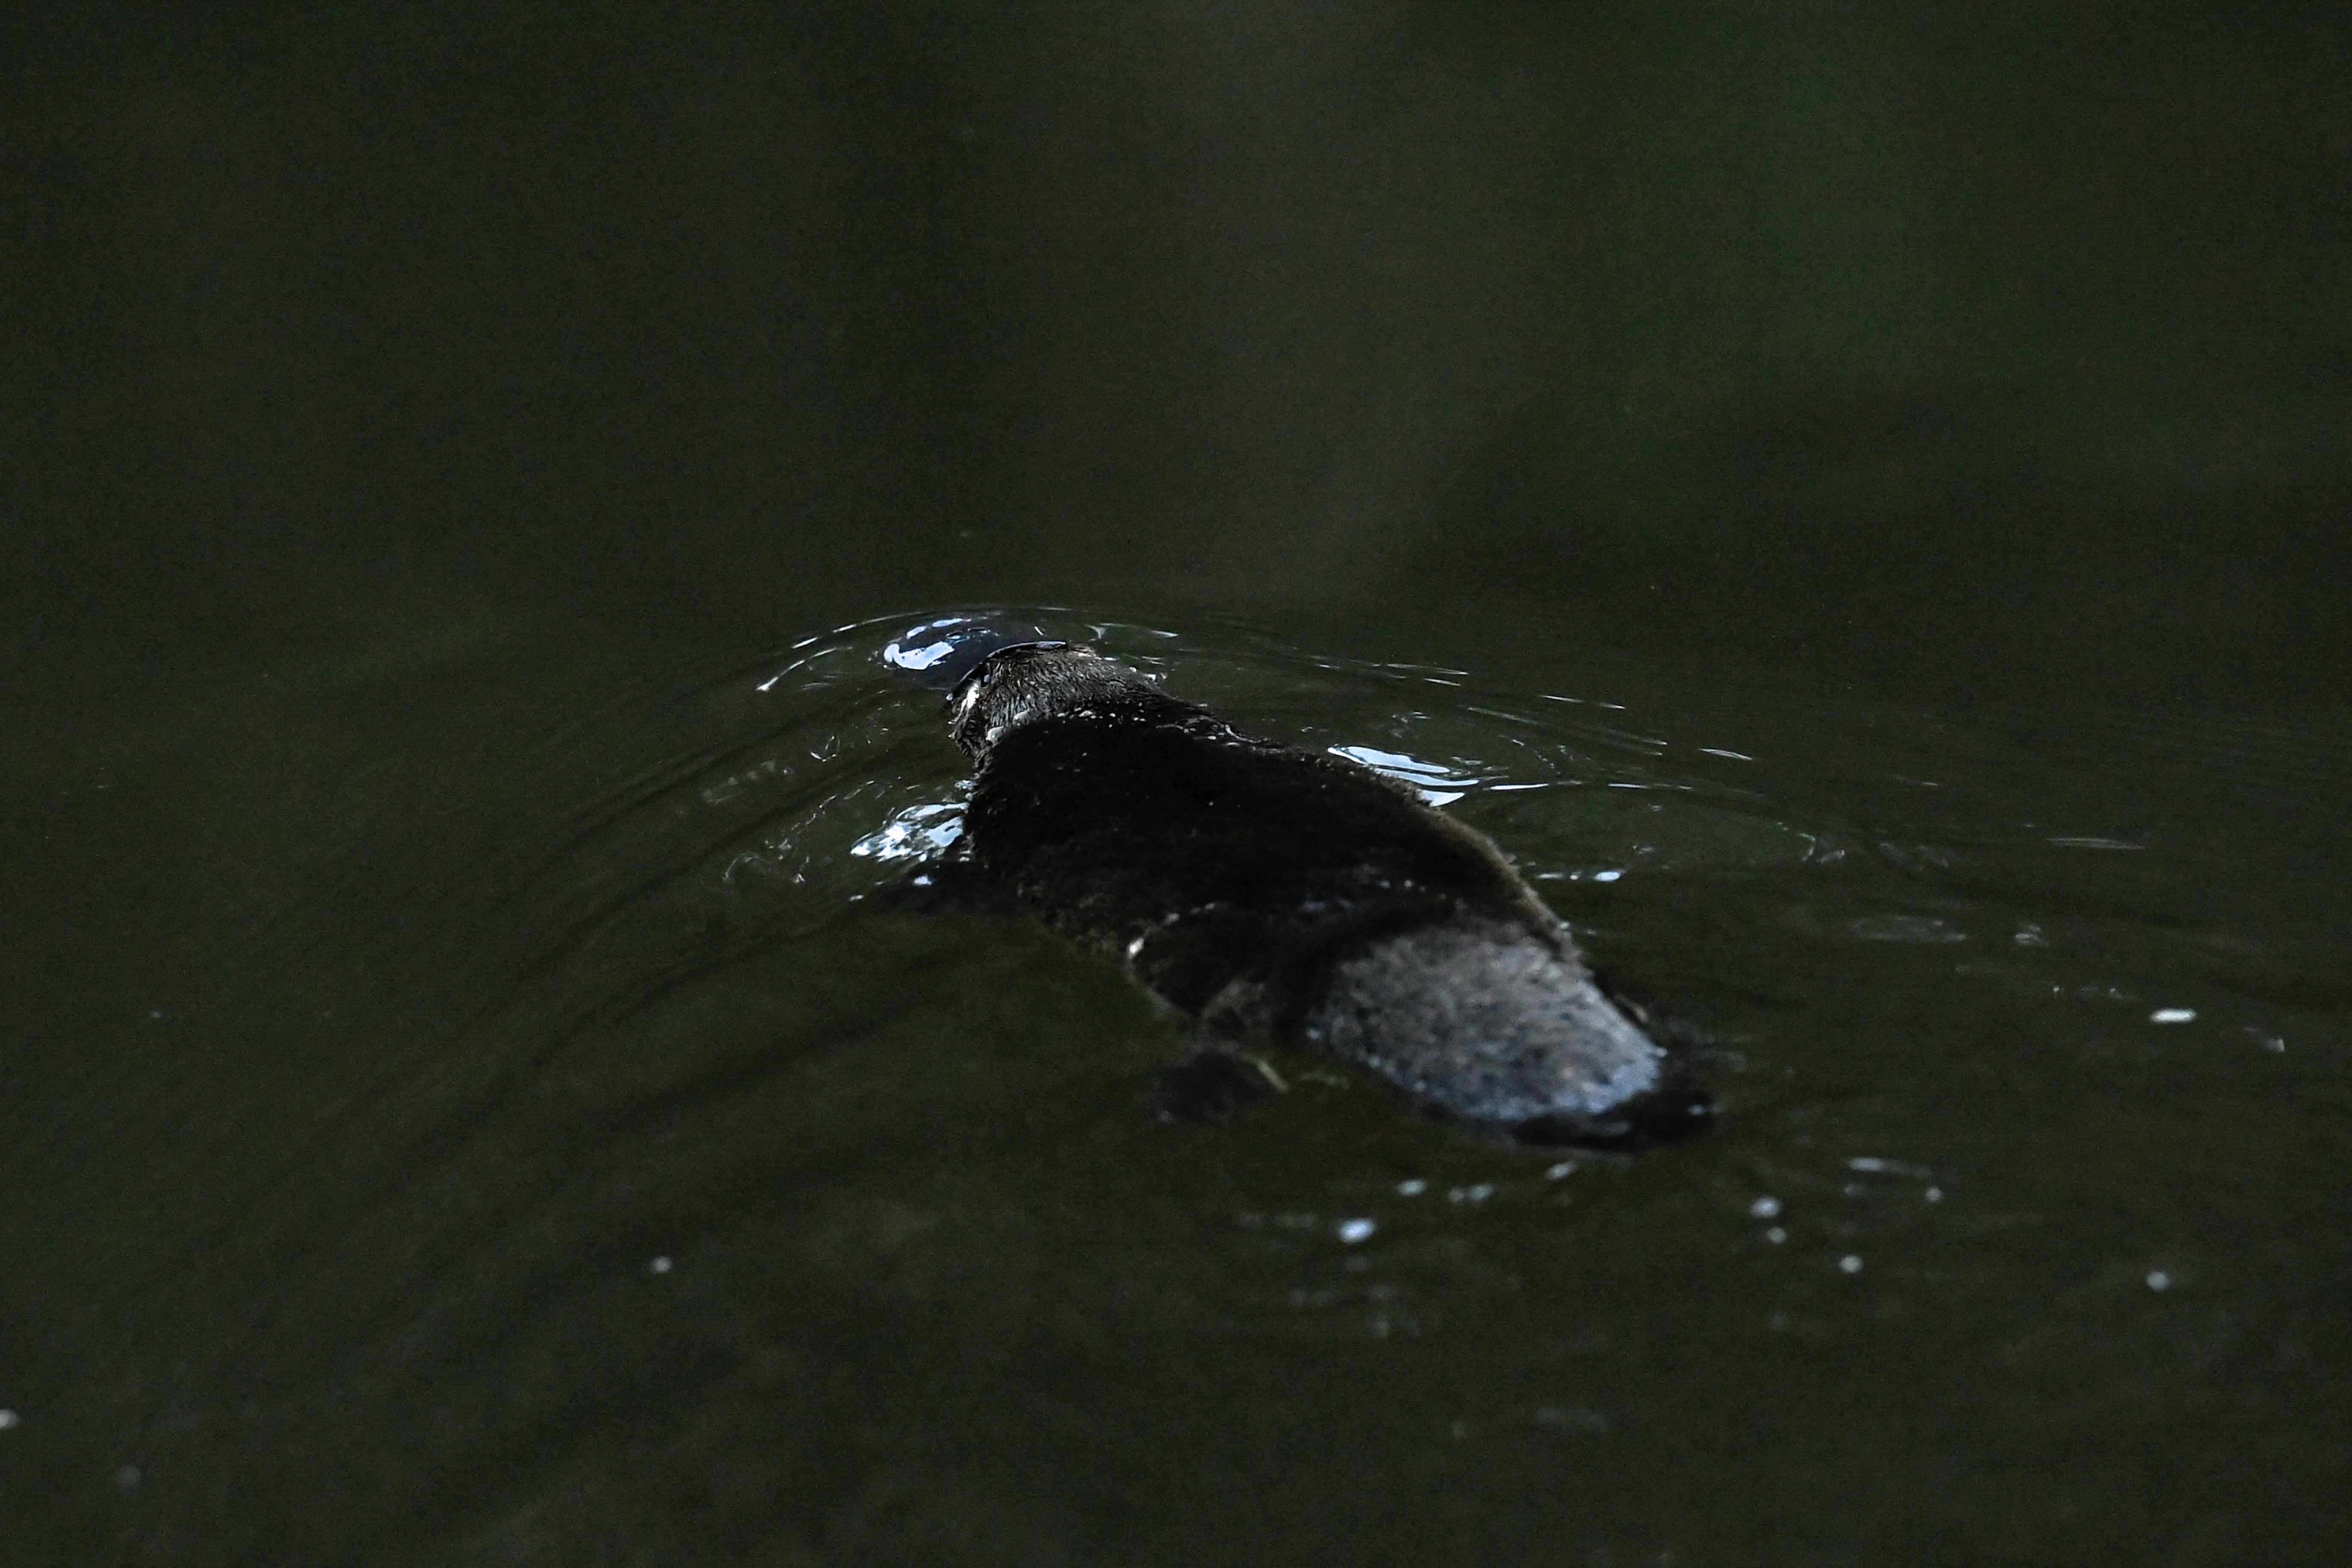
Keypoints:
pixel 1270 894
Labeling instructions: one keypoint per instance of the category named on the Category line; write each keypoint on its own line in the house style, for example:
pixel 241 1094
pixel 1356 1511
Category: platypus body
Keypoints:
pixel 1267 893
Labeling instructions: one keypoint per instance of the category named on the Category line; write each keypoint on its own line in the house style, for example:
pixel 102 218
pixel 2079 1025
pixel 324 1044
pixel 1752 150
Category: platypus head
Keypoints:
pixel 1020 683
pixel 1001 674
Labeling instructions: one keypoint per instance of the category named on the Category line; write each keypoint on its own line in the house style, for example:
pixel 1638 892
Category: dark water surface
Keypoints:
pixel 565 1161
pixel 1854 499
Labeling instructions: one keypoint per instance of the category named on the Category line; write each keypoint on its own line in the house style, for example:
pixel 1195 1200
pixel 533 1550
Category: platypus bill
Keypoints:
pixel 1271 894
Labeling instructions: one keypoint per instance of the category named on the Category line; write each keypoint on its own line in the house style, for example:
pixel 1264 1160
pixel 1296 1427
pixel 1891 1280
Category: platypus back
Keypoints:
pixel 1267 892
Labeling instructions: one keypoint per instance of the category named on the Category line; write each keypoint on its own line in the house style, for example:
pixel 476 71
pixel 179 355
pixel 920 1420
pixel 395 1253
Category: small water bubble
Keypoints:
pixel 1476 1194
pixel 1352 1231
pixel 1565 1168
pixel 2158 1279
pixel 2173 1016
pixel 1850 1264
pixel 1764 1207
pixel 1776 1236
pixel 1413 1188
pixel 660 1266
pixel 1933 1195
pixel 9 1419
pixel 128 1476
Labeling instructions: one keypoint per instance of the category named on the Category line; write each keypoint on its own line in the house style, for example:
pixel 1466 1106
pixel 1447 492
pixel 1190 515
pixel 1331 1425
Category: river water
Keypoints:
pixel 1850 502
pixel 568 1158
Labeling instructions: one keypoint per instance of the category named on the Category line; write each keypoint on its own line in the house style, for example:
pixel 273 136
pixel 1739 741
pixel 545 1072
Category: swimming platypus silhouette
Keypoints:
pixel 1265 893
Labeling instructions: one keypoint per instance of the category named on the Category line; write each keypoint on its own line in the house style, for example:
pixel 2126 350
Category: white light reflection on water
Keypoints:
pixel 917 659
pixel 916 833
pixel 1437 786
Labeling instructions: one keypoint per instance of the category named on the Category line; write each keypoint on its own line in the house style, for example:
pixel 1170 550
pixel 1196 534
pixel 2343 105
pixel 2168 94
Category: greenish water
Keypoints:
pixel 567 1163
pixel 1853 499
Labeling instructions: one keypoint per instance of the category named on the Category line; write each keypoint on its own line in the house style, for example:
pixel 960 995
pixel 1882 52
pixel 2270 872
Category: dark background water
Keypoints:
pixel 434 878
